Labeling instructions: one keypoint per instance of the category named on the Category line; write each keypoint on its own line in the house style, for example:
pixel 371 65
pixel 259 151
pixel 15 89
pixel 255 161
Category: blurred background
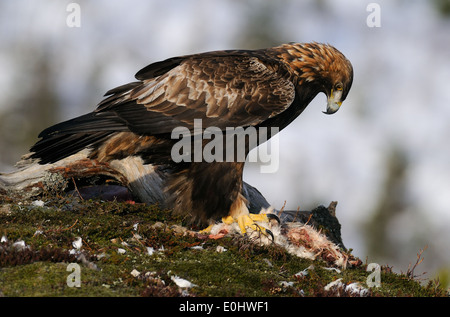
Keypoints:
pixel 384 156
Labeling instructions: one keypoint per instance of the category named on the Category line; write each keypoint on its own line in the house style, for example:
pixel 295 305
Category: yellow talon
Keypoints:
pixel 207 230
pixel 247 221
pixel 259 217
pixel 244 222
pixel 228 220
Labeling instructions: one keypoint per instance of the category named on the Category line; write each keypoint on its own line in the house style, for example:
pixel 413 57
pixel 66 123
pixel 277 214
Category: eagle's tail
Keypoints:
pixel 70 137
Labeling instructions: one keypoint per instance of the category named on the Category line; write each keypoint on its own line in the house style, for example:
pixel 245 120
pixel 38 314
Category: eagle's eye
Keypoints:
pixel 338 86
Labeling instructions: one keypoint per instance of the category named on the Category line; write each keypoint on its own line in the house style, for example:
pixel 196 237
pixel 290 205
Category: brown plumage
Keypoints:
pixel 235 88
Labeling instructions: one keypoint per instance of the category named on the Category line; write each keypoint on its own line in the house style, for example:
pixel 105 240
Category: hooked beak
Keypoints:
pixel 333 103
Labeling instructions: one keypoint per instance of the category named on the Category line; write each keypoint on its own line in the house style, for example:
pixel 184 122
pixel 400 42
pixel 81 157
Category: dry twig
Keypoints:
pixel 410 271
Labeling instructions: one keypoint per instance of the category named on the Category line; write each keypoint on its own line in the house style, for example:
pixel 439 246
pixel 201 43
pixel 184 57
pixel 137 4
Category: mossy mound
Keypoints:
pixel 129 249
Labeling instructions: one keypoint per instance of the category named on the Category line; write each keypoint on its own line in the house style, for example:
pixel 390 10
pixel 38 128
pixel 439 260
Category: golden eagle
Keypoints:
pixel 232 88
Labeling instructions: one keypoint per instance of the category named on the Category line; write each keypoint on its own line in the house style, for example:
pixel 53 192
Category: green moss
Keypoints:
pixel 116 237
pixel 50 279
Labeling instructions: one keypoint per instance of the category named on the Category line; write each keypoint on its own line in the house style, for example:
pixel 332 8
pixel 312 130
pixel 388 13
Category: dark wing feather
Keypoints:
pixel 223 89
pixel 158 68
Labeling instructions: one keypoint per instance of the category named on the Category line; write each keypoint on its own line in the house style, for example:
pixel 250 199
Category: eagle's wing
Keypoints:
pixel 223 89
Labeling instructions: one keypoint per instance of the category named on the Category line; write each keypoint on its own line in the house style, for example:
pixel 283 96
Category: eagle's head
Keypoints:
pixel 324 67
